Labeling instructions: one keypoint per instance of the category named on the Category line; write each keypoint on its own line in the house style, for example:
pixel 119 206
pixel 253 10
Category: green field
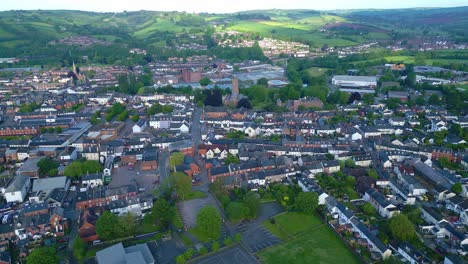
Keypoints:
pixel 316 71
pixel 306 240
pixel 288 30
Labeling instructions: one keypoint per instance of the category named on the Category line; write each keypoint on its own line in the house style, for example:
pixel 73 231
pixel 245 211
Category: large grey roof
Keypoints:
pixel 355 78
pixel 17 184
pixel 117 254
pixel 48 184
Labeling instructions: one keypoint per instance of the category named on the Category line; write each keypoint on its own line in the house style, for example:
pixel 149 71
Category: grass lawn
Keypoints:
pixel 316 72
pixel 306 240
pixel 195 195
pixel 177 221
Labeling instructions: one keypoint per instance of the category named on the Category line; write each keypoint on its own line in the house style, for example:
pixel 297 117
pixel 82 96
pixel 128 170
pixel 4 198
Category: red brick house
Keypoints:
pixel 19 131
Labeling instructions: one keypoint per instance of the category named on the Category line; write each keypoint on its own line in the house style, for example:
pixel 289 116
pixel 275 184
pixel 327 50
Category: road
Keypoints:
pixel 197 128
pixel 163 164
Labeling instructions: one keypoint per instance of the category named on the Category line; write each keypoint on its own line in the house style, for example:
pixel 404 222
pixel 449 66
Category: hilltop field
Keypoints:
pixel 24 32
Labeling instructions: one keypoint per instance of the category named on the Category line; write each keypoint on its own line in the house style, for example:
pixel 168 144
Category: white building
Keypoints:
pixel 18 189
pixel 354 81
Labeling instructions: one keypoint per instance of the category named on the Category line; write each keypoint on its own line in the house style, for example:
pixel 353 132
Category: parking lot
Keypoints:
pixel 147 180
pixel 232 255
pixel 189 209
pixel 254 235
pixel 165 252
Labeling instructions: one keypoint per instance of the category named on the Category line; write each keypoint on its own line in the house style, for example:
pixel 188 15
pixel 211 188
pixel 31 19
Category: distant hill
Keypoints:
pixel 27 33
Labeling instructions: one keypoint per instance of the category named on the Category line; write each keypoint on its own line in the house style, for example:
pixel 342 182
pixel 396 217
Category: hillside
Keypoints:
pixel 27 33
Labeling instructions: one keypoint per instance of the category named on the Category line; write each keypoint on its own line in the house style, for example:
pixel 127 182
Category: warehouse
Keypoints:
pixel 354 81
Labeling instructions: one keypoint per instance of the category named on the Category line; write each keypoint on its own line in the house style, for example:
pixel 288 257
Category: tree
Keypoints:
pixel 135 118
pixel 262 81
pixel 205 81
pixel 215 246
pixel 227 241
pixel 232 159
pixel 177 158
pixel 91 166
pixel 368 98
pixel 182 184
pixel 79 248
pixel 107 225
pixel 372 173
pixel 73 170
pixel 189 253
pixel 58 130
pixel 236 211
pixel 349 163
pixel 77 169
pixel 306 202
pixel 457 188
pixel 252 201
pixel 45 165
pixel 180 259
pixel 162 212
pixel 434 99
pixel 401 228
pixel 209 221
pixel 43 255
pixel 368 209
pixel 245 103
pixel 127 225
pixel 420 100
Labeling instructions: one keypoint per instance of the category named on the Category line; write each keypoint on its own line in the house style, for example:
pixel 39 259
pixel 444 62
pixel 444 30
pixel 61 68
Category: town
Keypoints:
pixel 278 152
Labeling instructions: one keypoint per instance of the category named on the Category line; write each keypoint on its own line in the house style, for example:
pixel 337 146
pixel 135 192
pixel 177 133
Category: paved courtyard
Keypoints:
pixel 148 180
pixel 189 209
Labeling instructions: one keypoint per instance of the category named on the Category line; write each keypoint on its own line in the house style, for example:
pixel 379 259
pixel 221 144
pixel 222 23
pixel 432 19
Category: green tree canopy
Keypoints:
pixel 252 201
pixel 45 165
pixel 209 221
pixel 306 202
pixel 77 168
pixel 205 81
pixel 79 248
pixel 182 184
pixel 401 228
pixel 43 255
pixel 177 158
pixel 237 211
pixel 107 226
pixel 369 210
pixel 457 188
pixel 163 213
pixel 232 159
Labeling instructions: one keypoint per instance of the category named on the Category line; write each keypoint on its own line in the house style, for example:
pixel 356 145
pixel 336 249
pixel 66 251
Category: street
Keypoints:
pixel 197 140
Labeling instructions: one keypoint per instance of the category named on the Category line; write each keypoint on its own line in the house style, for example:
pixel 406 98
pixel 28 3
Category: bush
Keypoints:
pixel 215 246
pixel 238 237
pixel 181 259
pixel 189 253
pixel 203 251
pixel 228 241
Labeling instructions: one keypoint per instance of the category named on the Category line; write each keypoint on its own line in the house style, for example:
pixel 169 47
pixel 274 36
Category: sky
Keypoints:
pixel 219 6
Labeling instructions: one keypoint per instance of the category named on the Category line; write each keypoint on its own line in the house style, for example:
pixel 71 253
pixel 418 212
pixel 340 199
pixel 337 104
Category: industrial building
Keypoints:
pixel 354 81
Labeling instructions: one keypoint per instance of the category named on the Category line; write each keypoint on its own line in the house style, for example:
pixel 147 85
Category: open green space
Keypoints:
pixel 306 240
pixel 195 195
pixel 316 71
pixel 289 31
